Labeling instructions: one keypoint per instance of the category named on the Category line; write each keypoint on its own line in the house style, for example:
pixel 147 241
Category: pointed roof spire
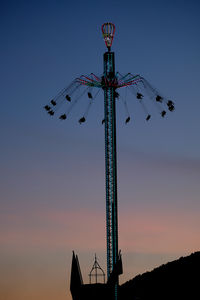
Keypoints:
pixel 76 276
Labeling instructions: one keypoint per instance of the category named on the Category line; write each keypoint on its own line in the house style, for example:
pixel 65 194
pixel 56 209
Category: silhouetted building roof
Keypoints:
pixel 96 291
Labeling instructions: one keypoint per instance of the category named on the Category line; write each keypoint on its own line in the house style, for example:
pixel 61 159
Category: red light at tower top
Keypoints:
pixel 108 30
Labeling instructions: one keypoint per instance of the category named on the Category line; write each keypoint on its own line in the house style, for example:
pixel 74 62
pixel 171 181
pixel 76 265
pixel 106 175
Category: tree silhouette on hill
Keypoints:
pixel 173 281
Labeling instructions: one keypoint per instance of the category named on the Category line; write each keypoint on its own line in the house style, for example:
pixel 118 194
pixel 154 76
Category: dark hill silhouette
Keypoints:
pixel 179 279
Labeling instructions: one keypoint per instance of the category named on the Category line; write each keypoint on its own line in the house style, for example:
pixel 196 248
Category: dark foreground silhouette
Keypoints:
pixel 176 280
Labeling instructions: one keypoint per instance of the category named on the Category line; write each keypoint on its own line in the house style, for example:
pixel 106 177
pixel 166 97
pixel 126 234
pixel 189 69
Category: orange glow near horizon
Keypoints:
pixel 39 257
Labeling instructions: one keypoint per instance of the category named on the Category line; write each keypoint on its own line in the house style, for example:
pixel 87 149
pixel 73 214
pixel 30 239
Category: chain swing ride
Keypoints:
pixel 109 82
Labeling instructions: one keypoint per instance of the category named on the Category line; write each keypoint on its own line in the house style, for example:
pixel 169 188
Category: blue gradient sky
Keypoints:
pixel 52 172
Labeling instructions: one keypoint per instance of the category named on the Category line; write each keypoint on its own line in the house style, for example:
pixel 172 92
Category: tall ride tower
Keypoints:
pixel 109 87
pixel 109 82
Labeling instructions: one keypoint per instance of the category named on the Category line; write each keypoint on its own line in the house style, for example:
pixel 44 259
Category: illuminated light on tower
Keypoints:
pixel 109 82
pixel 108 30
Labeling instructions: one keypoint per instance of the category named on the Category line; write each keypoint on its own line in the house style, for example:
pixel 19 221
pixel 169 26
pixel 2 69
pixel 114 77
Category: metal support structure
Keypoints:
pixel 94 271
pixel 110 161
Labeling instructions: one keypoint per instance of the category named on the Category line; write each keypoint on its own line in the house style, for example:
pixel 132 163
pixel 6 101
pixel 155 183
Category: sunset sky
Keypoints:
pixel 52 187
